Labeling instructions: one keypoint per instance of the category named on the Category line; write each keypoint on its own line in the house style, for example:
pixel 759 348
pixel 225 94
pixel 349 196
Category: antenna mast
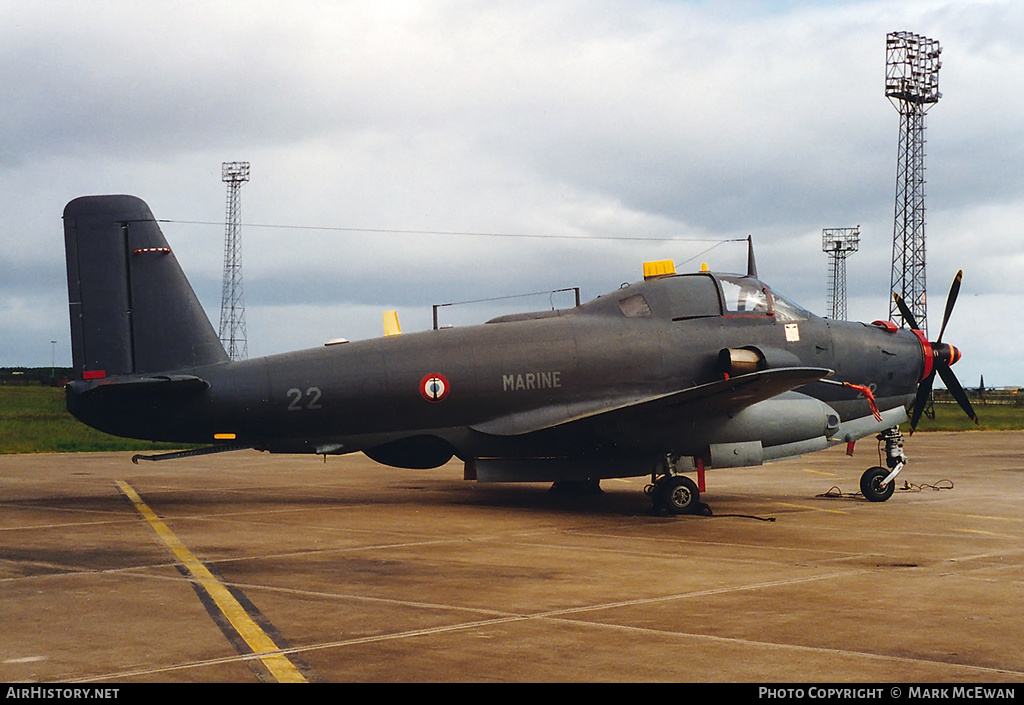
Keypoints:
pixel 912 86
pixel 838 244
pixel 232 302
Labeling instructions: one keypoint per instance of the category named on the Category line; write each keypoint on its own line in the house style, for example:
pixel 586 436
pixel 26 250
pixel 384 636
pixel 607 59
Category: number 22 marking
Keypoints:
pixel 312 397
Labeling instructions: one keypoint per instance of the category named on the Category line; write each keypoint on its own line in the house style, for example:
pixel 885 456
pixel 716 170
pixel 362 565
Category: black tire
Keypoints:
pixel 678 495
pixel 871 485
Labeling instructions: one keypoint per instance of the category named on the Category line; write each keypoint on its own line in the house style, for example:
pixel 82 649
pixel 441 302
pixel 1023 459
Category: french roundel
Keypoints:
pixel 434 387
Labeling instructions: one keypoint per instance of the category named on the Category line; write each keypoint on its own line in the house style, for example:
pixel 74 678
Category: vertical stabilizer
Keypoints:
pixel 132 309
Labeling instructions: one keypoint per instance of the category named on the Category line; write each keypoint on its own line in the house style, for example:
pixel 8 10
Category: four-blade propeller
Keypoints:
pixel 943 356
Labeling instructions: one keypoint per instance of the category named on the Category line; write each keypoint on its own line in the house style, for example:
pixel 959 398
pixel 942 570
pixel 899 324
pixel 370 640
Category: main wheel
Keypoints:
pixel 678 495
pixel 871 485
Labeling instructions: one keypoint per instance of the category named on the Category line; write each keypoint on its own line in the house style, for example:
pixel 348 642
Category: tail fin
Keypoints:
pixel 132 310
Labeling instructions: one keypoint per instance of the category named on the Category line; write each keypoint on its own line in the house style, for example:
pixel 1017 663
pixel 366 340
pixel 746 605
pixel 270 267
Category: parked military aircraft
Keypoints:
pixel 677 373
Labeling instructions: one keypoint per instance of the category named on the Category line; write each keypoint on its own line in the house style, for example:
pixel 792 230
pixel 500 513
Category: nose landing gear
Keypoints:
pixel 877 483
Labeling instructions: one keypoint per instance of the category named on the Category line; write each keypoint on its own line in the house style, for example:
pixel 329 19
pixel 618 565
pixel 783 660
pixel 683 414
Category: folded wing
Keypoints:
pixel 714 397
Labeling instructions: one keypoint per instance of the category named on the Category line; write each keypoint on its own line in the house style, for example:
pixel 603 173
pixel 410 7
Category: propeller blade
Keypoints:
pixel 924 392
pixel 943 356
pixel 954 291
pixel 905 312
pixel 953 385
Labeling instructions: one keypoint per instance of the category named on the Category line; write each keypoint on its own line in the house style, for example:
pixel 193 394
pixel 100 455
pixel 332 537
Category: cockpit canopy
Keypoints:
pixel 682 297
pixel 702 295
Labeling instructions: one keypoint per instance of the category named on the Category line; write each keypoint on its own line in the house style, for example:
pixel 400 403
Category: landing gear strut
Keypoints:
pixel 675 494
pixel 877 483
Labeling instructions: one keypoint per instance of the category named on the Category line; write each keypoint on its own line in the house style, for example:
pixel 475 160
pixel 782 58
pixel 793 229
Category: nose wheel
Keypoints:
pixel 873 484
pixel 877 484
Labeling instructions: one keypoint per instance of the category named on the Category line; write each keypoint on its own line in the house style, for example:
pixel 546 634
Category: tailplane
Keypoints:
pixel 132 309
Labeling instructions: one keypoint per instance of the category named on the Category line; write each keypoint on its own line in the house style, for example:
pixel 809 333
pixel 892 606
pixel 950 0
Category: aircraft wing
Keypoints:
pixel 727 394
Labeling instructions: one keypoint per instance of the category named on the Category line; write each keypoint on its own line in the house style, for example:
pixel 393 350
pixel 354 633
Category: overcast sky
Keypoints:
pixel 602 133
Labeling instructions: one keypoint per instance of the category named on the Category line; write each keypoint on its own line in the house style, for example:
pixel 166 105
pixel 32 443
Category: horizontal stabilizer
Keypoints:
pixel 164 382
pixel 133 406
pixel 125 388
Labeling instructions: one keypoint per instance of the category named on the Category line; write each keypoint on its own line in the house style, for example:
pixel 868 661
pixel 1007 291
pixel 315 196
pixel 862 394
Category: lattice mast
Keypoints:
pixel 912 86
pixel 838 244
pixel 232 302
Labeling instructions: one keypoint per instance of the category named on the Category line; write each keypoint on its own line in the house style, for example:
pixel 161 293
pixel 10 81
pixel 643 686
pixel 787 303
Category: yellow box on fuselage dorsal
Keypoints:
pixel 661 268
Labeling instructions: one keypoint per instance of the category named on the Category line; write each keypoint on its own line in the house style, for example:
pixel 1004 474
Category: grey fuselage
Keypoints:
pixel 531 386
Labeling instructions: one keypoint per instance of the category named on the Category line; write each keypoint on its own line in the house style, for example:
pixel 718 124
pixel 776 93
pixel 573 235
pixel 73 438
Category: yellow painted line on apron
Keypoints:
pixel 262 645
pixel 817 509
pixel 821 472
pixel 986 533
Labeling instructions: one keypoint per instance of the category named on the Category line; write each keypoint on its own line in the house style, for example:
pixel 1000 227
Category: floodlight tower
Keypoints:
pixel 838 244
pixel 912 86
pixel 232 302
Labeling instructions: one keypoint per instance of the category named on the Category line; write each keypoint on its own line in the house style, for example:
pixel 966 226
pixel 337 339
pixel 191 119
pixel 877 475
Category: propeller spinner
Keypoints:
pixel 939 357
